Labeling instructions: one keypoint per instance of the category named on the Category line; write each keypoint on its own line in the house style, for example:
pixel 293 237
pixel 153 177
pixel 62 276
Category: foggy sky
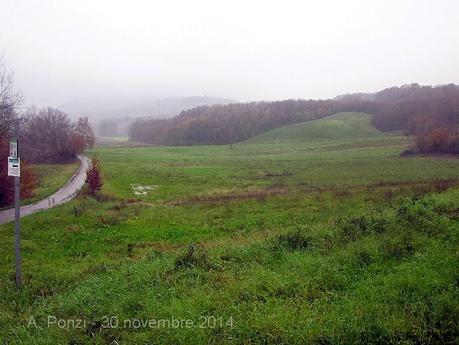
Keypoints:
pixel 245 50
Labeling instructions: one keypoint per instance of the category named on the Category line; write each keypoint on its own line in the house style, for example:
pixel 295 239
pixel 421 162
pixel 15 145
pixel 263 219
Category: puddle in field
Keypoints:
pixel 138 189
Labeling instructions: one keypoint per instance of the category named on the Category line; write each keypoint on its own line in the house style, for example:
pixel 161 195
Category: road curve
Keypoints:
pixel 66 193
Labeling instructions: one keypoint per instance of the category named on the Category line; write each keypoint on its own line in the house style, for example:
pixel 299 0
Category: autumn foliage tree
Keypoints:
pixel 77 143
pixel 50 137
pixel 28 178
pixel 411 108
pixel 84 131
pixel 94 177
pixel 225 124
pixel 438 140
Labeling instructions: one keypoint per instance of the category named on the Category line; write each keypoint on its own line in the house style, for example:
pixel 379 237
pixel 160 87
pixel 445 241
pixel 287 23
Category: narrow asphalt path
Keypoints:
pixel 63 195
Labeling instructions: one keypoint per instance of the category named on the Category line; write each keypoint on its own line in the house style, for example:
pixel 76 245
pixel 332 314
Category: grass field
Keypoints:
pixel 51 177
pixel 286 238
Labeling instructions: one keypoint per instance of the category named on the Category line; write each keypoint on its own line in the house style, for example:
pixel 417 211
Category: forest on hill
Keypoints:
pixel 430 113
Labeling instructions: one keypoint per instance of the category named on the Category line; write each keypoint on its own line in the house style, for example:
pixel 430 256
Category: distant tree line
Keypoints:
pixel 224 124
pixel 429 113
pixel 414 109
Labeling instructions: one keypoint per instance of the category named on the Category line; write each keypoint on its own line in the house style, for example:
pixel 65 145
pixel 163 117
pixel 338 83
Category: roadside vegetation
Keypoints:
pixel 46 136
pixel 274 241
pixel 50 178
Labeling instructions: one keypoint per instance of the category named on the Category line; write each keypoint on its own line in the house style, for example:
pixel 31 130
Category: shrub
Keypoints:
pixel 294 240
pixel 438 140
pixel 130 249
pixel 194 257
pixel 399 247
pixel 352 228
pixel 364 258
pixel 441 320
pixel 78 210
pixel 420 215
pixel 408 153
pixel 110 218
pixel 94 177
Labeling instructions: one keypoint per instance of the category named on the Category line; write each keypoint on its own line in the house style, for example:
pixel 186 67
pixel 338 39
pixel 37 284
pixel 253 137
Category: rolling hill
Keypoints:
pixel 334 127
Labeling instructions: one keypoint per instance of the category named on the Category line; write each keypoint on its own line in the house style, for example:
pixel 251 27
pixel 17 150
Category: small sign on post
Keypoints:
pixel 14 148
pixel 14 167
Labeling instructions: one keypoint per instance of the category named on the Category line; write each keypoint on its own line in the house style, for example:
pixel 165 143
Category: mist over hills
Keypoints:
pixel 102 108
pixel 124 111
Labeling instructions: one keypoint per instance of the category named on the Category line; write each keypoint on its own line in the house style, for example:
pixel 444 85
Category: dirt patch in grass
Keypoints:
pixel 232 195
pixel 410 153
pixel 390 190
pixel 141 249
pixel 73 228
pixel 440 184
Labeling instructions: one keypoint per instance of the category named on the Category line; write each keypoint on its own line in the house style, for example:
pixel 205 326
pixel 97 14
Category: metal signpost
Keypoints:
pixel 14 148
pixel 14 169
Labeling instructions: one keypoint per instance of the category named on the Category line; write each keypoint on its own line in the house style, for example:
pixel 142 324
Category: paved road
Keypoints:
pixel 63 195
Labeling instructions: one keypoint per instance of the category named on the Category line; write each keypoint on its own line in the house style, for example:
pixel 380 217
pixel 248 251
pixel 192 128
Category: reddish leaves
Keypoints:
pixel 438 140
pixel 28 178
pixel 94 177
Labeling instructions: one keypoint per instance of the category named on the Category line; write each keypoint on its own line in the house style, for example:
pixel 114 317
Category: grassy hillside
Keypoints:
pixel 317 242
pixel 336 127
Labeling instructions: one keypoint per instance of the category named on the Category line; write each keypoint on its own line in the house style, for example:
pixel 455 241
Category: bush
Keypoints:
pixel 420 215
pixel 194 257
pixel 353 228
pixel 110 218
pixel 399 247
pixel 294 240
pixel 94 177
pixel 364 258
pixel 78 210
pixel 438 140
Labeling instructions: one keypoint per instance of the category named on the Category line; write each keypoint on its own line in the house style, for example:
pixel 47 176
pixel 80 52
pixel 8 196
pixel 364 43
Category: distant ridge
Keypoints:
pixel 102 108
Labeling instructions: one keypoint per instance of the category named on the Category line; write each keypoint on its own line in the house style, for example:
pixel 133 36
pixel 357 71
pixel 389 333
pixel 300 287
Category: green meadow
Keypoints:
pixel 316 233
pixel 50 178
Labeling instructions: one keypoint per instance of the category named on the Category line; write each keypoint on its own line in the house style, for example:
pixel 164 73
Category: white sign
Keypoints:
pixel 14 148
pixel 14 166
